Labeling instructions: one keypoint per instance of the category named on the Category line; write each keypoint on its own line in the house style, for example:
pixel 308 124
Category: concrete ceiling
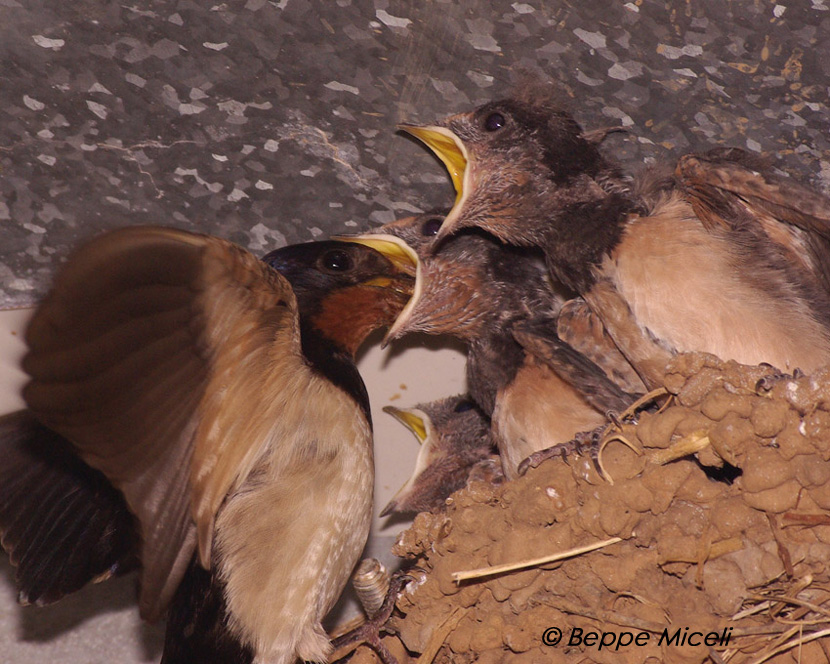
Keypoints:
pixel 274 122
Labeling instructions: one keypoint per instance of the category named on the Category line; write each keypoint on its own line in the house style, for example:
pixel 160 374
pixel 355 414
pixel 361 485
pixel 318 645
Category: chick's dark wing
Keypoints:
pixel 145 334
pixel 582 330
pixel 574 368
pixel 731 188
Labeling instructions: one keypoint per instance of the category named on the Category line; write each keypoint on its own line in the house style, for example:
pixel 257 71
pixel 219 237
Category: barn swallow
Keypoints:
pixel 214 399
pixel 455 438
pixel 482 291
pixel 721 256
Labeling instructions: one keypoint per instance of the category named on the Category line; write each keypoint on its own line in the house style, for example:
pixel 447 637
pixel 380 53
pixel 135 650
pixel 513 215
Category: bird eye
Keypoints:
pixel 463 406
pixel 337 260
pixel 494 122
pixel 431 226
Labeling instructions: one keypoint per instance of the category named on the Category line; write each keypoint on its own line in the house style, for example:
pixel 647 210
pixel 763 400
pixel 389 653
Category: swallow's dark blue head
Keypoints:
pixel 344 290
pixel 315 269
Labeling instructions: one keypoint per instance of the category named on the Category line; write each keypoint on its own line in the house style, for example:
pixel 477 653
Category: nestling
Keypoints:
pixel 494 298
pixel 721 256
pixel 455 444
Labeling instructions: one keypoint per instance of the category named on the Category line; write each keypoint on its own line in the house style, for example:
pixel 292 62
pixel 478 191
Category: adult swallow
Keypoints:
pixel 209 403
pixel 721 256
pixel 455 443
pixel 499 300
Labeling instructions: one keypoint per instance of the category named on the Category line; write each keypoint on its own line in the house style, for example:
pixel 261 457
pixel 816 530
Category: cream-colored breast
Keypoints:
pixel 536 411
pixel 289 537
pixel 686 287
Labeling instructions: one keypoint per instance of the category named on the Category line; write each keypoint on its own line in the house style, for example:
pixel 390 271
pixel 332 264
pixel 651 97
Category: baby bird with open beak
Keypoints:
pixel 537 389
pixel 214 431
pixel 455 446
pixel 722 256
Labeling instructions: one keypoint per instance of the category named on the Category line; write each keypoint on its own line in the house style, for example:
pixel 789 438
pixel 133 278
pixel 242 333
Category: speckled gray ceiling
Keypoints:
pixel 273 122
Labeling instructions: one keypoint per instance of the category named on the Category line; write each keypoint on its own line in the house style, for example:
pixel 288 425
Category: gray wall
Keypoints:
pixel 273 122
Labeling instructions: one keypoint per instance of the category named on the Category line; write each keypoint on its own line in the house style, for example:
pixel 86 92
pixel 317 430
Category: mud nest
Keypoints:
pixel 720 500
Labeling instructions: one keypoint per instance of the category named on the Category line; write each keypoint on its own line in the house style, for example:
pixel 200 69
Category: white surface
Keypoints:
pixel 12 323
pixel 100 624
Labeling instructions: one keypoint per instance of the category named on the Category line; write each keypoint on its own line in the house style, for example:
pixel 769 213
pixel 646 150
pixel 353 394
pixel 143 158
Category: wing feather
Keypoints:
pixel 732 189
pixel 720 172
pixel 578 371
pixel 582 330
pixel 62 523
pixel 145 334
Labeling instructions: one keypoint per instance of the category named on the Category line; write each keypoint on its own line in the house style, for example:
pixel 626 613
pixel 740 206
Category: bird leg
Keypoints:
pixel 369 632
pixel 585 440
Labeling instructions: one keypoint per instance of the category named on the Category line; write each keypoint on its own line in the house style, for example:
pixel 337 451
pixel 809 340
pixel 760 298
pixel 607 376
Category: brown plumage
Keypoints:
pixel 217 395
pixel 455 443
pixel 484 292
pixel 721 256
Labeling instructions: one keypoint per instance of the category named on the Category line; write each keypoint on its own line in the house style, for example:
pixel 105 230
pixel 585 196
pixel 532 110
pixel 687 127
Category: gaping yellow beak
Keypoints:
pixel 405 259
pixel 419 423
pixel 449 150
pixel 410 419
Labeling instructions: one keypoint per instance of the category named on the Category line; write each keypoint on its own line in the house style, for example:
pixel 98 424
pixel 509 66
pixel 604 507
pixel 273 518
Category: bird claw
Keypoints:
pixel 614 417
pixel 369 632
pixel 585 440
pixel 766 383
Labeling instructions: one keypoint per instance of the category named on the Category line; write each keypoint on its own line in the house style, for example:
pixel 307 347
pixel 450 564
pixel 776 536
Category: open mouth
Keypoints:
pixel 419 424
pixel 405 259
pixel 451 151
pixel 447 148
pixel 412 419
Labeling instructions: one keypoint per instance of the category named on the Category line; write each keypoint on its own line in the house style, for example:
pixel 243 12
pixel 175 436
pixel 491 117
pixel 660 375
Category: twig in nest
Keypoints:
pixel 614 430
pixel 534 562
pixel 436 640
pixel 783 552
pixel 756 630
pixel 766 602
pixel 793 625
pixel 751 611
pixel 810 606
pixel 715 657
pixel 613 617
pixel 648 397
pixel 642 600
pixel 684 447
pixel 792 644
pixel 768 643
pixel 716 550
pixel 791 519
pixel 638 450
pixel 703 552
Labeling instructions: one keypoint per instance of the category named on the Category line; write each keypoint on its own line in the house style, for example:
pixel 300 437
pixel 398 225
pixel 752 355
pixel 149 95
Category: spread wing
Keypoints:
pixel 62 523
pixel 731 188
pixel 150 355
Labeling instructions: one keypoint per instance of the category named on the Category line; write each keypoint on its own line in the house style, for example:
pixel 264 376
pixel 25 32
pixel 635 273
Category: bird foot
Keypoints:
pixel 585 440
pixel 369 632
pixel 769 381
